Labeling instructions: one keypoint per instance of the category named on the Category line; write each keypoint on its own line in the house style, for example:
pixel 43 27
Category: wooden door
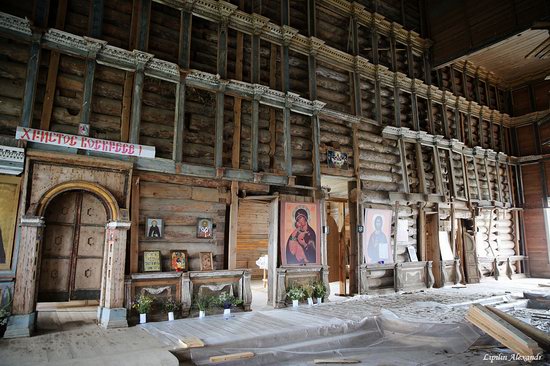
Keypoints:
pixel 72 254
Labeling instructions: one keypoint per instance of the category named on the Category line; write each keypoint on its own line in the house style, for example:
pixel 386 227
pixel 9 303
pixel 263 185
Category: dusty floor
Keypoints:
pixel 69 338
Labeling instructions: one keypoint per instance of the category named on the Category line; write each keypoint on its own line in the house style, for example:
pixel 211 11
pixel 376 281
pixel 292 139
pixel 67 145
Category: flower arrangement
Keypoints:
pixel 295 292
pixel 170 305
pixel 143 303
pixel 203 302
pixel 226 300
pixel 308 290
pixel 319 289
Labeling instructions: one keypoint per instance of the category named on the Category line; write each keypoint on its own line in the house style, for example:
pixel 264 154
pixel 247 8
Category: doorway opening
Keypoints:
pixel 257 244
pixel 71 261
pixel 338 237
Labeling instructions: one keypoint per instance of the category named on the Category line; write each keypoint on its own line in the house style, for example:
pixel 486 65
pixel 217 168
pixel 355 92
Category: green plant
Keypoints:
pixel 309 290
pixel 143 303
pixel 203 302
pixel 319 289
pixel 170 305
pixel 5 309
pixel 295 292
pixel 226 300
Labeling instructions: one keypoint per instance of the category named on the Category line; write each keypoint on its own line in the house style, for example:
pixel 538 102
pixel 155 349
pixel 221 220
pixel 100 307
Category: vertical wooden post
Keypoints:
pixel 410 57
pixel 431 127
pixel 444 115
pixel 30 81
pixel 414 107
pixel 141 60
pixel 179 119
pixel 134 232
pixel 186 22
pixel 396 102
pixel 354 260
pixel 287 145
pixel 139 37
pixel 469 123
pixel 218 149
pixel 420 168
pixel 458 122
pixel 233 224
pixel 254 134
pixel 437 172
pixel 358 111
pixel 47 105
pixel 93 47
pixel 404 169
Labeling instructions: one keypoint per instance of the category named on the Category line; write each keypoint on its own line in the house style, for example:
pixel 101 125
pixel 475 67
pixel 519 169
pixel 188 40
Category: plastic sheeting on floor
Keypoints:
pixel 290 338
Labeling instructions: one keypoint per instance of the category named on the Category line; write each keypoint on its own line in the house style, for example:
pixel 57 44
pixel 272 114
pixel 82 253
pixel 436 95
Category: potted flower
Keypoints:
pixel 170 305
pixel 226 300
pixel 143 306
pixel 295 293
pixel 319 291
pixel 202 302
pixel 5 314
pixel 308 292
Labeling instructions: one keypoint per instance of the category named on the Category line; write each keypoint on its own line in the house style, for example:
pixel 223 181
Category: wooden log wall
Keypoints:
pixel 107 97
pixel 180 206
pixel 157 116
pixel 380 164
pixel 336 135
pixel 198 135
pixel 495 238
pixel 334 87
pixel 117 22
pixel 13 59
pixel 164 30
pixel 473 83
pixel 204 45
pixel 333 28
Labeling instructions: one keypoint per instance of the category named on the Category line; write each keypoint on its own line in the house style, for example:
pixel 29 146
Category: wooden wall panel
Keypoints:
pixel 521 102
pixel 536 242
pixel 117 19
pixel 460 27
pixel 164 30
pixel 76 20
pixel 180 206
pixel 105 119
pixel 544 133
pixel 526 140
pixel 13 57
pixel 157 116
pixel 532 186
pixel 252 234
pixel 333 28
pixel 541 92
pixel 199 132
pixel 204 45
pixel 67 104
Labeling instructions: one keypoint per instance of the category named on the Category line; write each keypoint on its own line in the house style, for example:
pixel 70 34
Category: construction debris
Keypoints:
pixel 542 338
pixel 502 331
pixel 335 360
pixel 231 357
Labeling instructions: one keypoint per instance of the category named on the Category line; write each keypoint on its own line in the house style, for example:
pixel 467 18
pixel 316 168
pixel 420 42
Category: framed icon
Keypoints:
pixel 154 228
pixel 299 228
pixel 204 228
pixel 207 263
pixel 151 261
pixel 377 236
pixel 178 261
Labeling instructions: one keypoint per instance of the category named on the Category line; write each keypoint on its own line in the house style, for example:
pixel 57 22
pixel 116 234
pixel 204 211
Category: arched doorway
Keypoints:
pixel 72 252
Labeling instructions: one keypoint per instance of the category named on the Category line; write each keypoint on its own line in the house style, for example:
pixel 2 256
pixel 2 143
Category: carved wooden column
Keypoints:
pixel 111 310
pixel 94 46
pixel 30 81
pixel 22 321
pixel 259 90
pixel 141 59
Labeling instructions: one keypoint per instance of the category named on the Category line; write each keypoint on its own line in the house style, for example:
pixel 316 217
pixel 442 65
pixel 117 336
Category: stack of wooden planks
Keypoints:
pixel 520 337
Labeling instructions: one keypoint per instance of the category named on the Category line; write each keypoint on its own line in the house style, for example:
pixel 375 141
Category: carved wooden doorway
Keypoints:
pixel 72 251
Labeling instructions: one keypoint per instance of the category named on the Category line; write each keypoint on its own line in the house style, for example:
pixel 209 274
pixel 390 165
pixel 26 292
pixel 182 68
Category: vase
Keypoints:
pixel 226 313
pixel 142 318
pixel 309 301
pixel 170 315
pixel 319 300
pixel 202 314
pixel 294 303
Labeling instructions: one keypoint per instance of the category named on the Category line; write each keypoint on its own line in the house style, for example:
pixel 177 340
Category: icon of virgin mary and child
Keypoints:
pixel 301 246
